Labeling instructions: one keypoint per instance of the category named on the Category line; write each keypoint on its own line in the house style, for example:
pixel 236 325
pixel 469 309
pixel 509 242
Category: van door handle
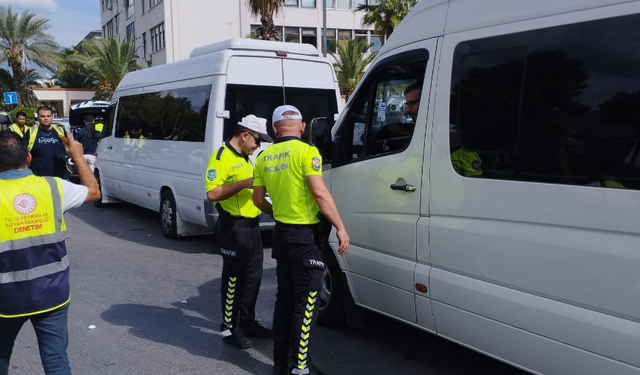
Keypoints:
pixel 403 187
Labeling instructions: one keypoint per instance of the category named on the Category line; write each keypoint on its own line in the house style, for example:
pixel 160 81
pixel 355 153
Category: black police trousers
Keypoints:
pixel 242 253
pixel 299 271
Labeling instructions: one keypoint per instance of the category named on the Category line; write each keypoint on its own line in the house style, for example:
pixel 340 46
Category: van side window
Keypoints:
pixel 108 124
pixel 381 118
pixel 176 115
pixel 556 105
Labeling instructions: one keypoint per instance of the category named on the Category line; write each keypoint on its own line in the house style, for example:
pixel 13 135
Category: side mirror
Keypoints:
pixel 320 135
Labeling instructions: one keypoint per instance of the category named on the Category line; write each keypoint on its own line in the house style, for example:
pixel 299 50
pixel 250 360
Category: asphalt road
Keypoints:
pixel 155 303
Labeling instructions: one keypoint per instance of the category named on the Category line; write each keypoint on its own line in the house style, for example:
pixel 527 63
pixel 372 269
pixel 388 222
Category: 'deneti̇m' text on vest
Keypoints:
pixel 34 267
pixel 282 169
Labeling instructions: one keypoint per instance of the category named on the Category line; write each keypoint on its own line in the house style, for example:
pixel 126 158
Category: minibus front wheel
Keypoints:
pixel 168 215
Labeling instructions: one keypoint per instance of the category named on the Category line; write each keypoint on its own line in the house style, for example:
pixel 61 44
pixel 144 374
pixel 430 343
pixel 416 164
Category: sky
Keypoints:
pixel 69 20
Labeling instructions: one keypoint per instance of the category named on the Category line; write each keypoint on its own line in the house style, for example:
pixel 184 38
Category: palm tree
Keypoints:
pixel 107 61
pixel 24 35
pixel 266 9
pixel 385 16
pixel 352 63
pixel 72 73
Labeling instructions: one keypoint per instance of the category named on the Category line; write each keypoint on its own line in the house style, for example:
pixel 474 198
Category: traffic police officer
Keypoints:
pixel 290 170
pixel 33 257
pixel 229 181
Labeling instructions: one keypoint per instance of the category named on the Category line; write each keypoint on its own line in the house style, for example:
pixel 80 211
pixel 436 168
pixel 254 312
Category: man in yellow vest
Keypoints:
pixel 229 181
pixel 465 163
pixel 46 146
pixel 19 126
pixel 290 170
pixel 34 267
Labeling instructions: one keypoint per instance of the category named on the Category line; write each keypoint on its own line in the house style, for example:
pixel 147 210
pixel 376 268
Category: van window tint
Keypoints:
pixel 557 105
pixel 108 124
pixel 176 115
pixel 381 117
pixel 243 100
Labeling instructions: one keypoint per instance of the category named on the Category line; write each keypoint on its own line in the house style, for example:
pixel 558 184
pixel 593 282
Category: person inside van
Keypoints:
pixel 465 163
pixel 134 137
pixel 412 95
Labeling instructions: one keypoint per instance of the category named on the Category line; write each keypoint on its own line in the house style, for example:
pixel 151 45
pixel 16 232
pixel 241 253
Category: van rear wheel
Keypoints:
pixel 168 215
pixel 331 299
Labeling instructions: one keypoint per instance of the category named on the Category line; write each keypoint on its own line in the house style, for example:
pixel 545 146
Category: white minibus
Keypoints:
pixel 506 216
pixel 165 122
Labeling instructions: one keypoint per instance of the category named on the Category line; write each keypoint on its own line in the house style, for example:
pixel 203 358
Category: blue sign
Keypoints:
pixel 10 97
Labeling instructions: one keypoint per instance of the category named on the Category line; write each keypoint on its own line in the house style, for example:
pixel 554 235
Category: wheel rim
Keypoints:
pixel 325 293
pixel 167 215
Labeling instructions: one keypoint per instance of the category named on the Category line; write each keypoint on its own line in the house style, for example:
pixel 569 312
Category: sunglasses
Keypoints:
pixel 256 138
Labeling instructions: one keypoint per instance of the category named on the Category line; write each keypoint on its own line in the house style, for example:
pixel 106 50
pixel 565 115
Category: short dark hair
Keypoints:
pixel 13 151
pixel 89 118
pixel 414 86
pixel 21 114
pixel 239 129
pixel 43 107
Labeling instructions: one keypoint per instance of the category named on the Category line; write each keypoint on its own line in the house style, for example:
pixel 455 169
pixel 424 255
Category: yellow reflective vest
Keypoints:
pixel 34 277
pixel 34 133
pixel 16 129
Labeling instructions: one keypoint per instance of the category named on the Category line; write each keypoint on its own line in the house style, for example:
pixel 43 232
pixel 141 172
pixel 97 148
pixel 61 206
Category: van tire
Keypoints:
pixel 99 203
pixel 168 215
pixel 332 311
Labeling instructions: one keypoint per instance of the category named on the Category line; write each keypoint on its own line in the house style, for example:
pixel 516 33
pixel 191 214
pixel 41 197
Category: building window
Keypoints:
pixel 102 2
pixel 359 2
pixel 129 8
pixel 310 36
pixel 109 29
pixel 344 4
pixel 343 37
pixel 144 45
pixel 291 3
pixel 143 1
pixel 541 106
pixel 153 3
pixel 331 4
pixel 376 44
pixel 131 34
pixel 157 38
pixel 331 40
pixel 292 34
pixel 116 24
pixel 309 3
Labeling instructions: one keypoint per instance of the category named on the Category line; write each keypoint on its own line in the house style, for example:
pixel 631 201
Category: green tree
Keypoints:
pixel 72 73
pixel 352 61
pixel 266 10
pixel 24 34
pixel 107 61
pixel 385 16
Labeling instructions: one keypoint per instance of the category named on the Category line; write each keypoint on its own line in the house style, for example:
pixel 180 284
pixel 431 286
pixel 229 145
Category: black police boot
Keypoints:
pixel 280 368
pixel 236 339
pixel 255 329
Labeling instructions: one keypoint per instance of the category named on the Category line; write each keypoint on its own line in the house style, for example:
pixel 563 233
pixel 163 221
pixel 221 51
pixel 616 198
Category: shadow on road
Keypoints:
pixel 193 325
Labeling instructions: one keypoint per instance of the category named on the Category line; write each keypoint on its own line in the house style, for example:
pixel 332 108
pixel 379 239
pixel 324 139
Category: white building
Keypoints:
pixel 168 30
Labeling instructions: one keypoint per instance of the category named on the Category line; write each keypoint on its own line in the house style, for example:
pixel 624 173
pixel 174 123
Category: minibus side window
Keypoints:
pixel 380 118
pixel 557 105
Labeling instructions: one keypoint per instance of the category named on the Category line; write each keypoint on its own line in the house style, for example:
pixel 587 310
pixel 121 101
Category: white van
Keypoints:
pixel 165 122
pixel 509 220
